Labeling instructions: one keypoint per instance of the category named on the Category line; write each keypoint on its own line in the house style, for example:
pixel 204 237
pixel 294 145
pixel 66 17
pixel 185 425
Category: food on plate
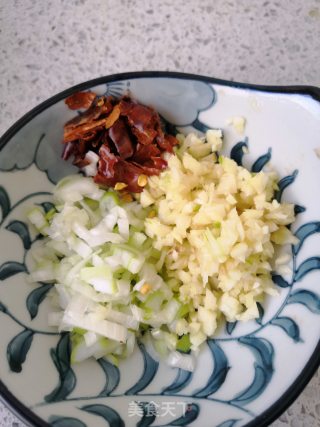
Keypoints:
pixel 218 225
pixel 238 123
pixel 163 257
pixel 115 141
pixel 104 268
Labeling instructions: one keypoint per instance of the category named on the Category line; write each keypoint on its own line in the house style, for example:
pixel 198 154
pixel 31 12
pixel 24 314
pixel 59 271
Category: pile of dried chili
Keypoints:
pixel 127 137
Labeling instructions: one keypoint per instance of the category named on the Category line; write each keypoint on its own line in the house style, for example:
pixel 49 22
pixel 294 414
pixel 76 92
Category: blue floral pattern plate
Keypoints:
pixel 250 372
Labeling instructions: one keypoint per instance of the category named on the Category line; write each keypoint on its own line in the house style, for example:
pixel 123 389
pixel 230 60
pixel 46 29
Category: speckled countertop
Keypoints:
pixel 47 46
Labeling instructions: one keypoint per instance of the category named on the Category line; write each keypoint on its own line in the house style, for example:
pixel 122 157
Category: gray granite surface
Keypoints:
pixel 47 46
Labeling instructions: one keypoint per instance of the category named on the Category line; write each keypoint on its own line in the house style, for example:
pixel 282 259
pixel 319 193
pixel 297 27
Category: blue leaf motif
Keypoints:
pixel 307 298
pixel 35 298
pixel 228 423
pixel 67 380
pixel 284 183
pixel 115 89
pixel 279 281
pixel 65 422
pixel 289 326
pixel 219 373
pixel 306 267
pixel 182 379
pixel 230 327
pixel 11 268
pixel 105 412
pixel 3 308
pixel 47 206
pixel 305 231
pixel 4 203
pixel 191 414
pixel 149 371
pixel 22 230
pixel 149 414
pixel 22 158
pixel 299 209
pixel 200 126
pixel 256 388
pixel 261 313
pixel 261 162
pixel 263 369
pixel 112 377
pixel 18 348
pixel 168 127
pixel 262 350
pixel 237 152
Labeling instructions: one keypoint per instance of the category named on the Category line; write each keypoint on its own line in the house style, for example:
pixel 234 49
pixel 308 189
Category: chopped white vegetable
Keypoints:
pixel 182 361
pixel 218 225
pixel 238 123
pixel 198 244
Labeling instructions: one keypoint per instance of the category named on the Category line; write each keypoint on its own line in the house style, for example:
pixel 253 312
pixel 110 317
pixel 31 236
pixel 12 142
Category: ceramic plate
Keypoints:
pixel 250 372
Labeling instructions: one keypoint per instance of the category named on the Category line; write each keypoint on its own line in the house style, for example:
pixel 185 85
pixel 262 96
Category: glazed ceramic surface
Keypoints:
pixel 250 372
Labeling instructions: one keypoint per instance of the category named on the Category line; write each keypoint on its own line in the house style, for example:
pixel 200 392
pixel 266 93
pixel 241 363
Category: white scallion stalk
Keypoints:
pixel 90 338
pixel 93 252
pixel 182 361
pixel 92 168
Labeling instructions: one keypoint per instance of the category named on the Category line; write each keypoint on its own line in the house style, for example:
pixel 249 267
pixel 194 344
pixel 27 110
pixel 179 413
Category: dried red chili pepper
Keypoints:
pixel 80 100
pixel 127 136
